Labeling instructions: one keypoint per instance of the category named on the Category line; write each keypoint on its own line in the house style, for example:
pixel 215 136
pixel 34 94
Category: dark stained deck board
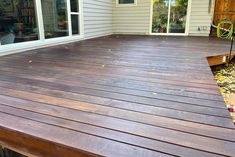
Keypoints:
pixel 161 84
pixel 116 96
pixel 163 111
pixel 116 135
pixel 151 73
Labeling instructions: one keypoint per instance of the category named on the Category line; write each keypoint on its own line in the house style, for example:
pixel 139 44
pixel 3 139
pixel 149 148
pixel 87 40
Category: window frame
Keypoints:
pixel 128 4
pixel 42 42
pixel 78 14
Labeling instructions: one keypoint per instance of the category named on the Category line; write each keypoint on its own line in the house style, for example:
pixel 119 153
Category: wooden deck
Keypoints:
pixel 118 96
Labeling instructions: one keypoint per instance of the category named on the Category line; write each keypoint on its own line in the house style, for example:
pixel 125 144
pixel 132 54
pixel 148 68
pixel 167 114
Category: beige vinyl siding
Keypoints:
pixel 133 19
pixel 200 17
pixel 136 19
pixel 97 18
pixel 104 17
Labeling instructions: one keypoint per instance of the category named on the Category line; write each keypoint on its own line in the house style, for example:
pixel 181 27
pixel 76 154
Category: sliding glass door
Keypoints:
pixel 169 16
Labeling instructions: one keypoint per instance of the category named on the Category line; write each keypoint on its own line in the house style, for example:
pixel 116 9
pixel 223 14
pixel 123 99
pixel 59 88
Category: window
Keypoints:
pixel 75 16
pixel 132 2
pixel 55 18
pixel 32 20
pixel 18 22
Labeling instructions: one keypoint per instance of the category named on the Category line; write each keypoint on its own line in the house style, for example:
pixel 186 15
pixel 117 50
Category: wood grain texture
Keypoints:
pixel 224 9
pixel 116 96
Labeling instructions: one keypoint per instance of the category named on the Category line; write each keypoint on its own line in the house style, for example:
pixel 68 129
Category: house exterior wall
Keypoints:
pixel 97 18
pixel 200 17
pixel 136 19
pixel 133 19
pixel 104 17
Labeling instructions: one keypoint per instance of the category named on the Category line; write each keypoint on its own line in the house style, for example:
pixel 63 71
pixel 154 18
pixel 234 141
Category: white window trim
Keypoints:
pixel 31 45
pixel 126 5
pixel 42 42
pixel 78 13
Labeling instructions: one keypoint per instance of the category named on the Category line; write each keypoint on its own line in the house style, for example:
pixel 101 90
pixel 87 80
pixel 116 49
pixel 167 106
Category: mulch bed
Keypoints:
pixel 225 77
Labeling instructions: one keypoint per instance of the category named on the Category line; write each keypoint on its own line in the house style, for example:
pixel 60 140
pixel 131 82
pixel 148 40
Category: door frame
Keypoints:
pixel 171 34
pixel 39 16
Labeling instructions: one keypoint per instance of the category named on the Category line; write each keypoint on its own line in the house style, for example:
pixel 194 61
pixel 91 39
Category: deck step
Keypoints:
pixel 220 59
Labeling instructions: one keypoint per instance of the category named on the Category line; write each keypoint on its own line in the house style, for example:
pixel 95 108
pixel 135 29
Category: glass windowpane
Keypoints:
pixel 55 18
pixel 74 5
pixel 126 1
pixel 18 21
pixel 75 24
pixel 160 16
pixel 178 16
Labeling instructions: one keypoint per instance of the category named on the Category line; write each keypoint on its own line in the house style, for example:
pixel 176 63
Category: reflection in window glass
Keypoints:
pixel 162 22
pixel 126 1
pixel 55 18
pixel 74 5
pixel 75 24
pixel 18 21
pixel 178 16
pixel 160 16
